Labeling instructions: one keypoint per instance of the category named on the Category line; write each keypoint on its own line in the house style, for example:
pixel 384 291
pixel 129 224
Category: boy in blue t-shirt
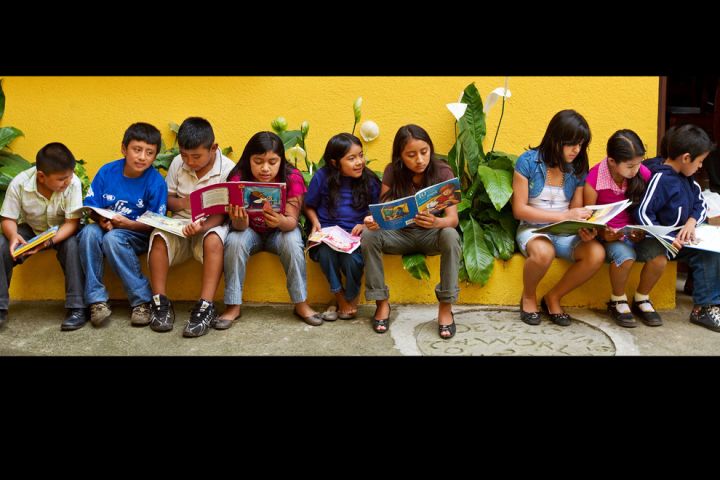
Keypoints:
pixel 130 187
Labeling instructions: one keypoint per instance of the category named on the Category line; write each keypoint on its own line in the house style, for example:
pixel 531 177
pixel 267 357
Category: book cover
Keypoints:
pixel 35 241
pixel 600 216
pixel 336 238
pixel 166 224
pixel 401 212
pixel 103 212
pixel 217 198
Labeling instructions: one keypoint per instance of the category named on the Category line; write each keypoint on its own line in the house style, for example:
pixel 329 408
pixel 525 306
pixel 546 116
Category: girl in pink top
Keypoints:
pixel 618 177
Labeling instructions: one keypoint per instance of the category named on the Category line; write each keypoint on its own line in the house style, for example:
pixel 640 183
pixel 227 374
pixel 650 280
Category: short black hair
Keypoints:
pixel 195 132
pixel 53 158
pixel 142 132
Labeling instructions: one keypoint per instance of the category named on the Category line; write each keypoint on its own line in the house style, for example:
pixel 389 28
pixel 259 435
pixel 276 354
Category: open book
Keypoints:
pixel 103 212
pixel 600 216
pixel 660 233
pixel 166 224
pixel 35 241
pixel 335 238
pixel 707 237
pixel 215 199
pixel 401 212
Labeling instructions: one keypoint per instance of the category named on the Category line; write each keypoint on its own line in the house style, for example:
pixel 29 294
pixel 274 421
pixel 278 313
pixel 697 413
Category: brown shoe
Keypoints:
pixel 99 313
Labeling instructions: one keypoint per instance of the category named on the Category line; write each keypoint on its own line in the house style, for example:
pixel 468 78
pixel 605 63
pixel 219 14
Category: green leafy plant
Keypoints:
pixel 486 221
pixel 11 163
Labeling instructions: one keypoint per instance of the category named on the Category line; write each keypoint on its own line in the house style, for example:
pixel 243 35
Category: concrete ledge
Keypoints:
pixel 40 278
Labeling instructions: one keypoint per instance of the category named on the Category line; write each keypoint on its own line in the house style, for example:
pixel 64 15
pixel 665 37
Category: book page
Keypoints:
pixel 219 196
pixel 336 238
pixel 605 213
pixel 166 224
pixel 707 237
pixel 439 196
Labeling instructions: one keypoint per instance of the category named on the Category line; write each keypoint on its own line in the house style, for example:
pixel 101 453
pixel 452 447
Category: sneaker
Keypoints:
pixel 708 316
pixel 201 317
pixel 99 312
pixel 162 314
pixel 651 319
pixel 140 315
pixel 624 319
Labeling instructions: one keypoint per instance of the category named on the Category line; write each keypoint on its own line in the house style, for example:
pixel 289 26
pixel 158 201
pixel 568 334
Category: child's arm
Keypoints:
pixel 311 214
pixel 523 211
pixel 239 219
pixel 176 203
pixel 202 225
pixel 428 220
pixel 289 220
pixel 369 221
pixel 9 228
pixel 69 227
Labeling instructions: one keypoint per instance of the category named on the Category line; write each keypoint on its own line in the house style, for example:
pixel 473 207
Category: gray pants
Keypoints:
pixel 433 241
pixel 67 254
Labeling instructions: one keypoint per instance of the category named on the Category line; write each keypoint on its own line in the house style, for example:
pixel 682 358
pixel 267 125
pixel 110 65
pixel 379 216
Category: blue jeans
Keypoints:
pixel 239 245
pixel 619 251
pixel 121 247
pixel 334 264
pixel 564 245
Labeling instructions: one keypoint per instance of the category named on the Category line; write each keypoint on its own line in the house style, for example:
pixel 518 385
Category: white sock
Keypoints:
pixel 620 307
pixel 645 307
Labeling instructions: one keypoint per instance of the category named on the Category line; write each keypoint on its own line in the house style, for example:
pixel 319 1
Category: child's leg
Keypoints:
pixel 651 273
pixel 121 248
pixel 589 257
pixel 329 261
pixel 239 245
pixel 540 254
pixel 68 254
pixel 212 260
pixel 352 266
pixel 6 269
pixel 92 257
pixel 448 243
pixel 159 263
pixel 289 246
pixel 706 272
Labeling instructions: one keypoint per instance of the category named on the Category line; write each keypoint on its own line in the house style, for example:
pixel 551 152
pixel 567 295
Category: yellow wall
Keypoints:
pixel 90 114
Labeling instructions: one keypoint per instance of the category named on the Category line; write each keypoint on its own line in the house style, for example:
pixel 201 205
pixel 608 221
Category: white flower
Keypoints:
pixel 493 97
pixel 279 125
pixel 304 127
pixel 457 109
pixel 356 109
pixel 295 153
pixel 369 130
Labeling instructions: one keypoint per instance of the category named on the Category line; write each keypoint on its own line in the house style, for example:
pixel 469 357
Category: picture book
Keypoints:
pixel 600 216
pixel 660 233
pixel 103 212
pixel 401 212
pixel 336 238
pixel 35 241
pixel 166 224
pixel 707 237
pixel 216 199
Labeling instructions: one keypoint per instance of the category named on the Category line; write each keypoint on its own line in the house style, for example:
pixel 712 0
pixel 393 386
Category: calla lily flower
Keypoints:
pixel 369 130
pixel 304 127
pixel 457 109
pixel 356 109
pixel 295 153
pixel 493 97
pixel 279 125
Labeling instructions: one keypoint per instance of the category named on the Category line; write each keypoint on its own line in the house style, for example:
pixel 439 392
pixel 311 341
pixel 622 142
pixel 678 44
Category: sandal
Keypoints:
pixel 381 325
pixel 562 319
pixel 448 329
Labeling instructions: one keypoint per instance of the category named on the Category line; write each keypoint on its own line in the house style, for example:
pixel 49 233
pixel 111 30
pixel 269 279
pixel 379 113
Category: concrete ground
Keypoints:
pixel 33 328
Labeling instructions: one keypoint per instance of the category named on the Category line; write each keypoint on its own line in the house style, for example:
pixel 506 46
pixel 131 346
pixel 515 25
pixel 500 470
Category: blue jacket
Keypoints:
pixel 670 199
pixel 531 166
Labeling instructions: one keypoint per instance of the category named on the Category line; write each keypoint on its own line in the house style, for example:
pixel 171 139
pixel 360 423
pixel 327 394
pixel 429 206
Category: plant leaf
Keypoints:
pixel 479 262
pixel 7 158
pixel 227 151
pixel 2 104
pixel 290 138
pixel 501 161
pixel 498 185
pixel 415 265
pixel 503 242
pixel 8 134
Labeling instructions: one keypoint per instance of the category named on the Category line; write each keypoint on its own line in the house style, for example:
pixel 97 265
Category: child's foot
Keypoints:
pixel 708 316
pixel 74 319
pixel 162 314
pixel 225 321
pixel 141 314
pixel 99 313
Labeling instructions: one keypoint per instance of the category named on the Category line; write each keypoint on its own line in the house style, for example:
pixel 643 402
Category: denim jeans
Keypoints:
pixel 121 247
pixel 431 241
pixel 67 255
pixel 239 245
pixel 334 264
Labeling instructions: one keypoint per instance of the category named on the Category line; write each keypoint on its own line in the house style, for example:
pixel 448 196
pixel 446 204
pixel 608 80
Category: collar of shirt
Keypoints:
pixel 30 185
pixel 605 180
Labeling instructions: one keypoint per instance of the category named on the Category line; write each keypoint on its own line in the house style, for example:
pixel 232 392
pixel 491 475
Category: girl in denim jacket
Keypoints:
pixel 548 188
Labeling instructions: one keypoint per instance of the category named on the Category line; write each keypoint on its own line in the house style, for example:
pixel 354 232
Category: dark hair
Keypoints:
pixel 567 127
pixel 53 158
pixel 142 132
pixel 688 139
pixel 402 177
pixel 195 132
pixel 623 146
pixel 337 147
pixel 258 144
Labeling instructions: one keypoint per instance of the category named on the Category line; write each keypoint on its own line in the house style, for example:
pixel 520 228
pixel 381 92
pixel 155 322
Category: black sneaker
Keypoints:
pixel 201 317
pixel 162 314
pixel 623 319
pixel 708 316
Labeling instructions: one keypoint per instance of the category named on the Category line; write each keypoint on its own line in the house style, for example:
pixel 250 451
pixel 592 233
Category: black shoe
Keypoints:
pixel 75 318
pixel 3 317
pixel 448 330
pixel 162 314
pixel 623 319
pixel 202 316
pixel 651 319
pixel 562 319
pixel 531 318
pixel 708 316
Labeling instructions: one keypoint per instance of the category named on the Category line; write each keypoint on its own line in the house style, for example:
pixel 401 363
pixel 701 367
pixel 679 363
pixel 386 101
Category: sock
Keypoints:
pixel 620 307
pixel 645 307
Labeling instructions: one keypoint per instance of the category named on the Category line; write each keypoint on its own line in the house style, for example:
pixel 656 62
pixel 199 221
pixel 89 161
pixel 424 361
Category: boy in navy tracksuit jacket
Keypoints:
pixel 674 198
